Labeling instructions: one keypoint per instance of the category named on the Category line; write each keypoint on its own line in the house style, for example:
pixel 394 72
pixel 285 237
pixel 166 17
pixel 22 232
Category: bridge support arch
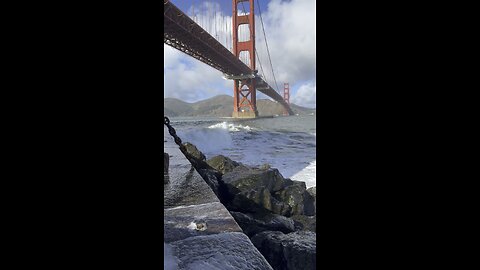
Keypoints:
pixel 244 92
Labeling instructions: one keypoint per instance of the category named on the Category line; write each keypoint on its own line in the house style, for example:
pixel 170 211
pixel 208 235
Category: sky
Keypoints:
pixel 291 36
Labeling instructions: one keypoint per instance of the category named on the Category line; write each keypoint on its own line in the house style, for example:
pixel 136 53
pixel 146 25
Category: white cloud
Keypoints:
pixel 291 36
pixel 190 80
pixel 306 95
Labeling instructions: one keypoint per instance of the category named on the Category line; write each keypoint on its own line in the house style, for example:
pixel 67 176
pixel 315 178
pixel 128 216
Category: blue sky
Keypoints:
pixel 291 36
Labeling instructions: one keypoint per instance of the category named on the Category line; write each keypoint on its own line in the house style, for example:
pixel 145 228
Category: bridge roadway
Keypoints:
pixel 185 35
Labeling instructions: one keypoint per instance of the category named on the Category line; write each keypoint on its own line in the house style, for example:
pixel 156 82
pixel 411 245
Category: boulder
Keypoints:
pixel 244 179
pixel 193 150
pixel 290 251
pixel 312 191
pixel 254 200
pixel 296 196
pixel 277 222
pixel 305 223
pixel 250 189
pixel 309 207
pixel 281 208
pixel 313 197
pixel 252 224
pixel 222 164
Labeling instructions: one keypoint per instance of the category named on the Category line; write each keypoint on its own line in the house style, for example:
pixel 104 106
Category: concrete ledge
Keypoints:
pixel 203 219
pixel 186 187
pixel 226 251
pixel 200 230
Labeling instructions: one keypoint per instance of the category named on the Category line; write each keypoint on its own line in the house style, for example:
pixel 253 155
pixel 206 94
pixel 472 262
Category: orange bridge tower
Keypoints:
pixel 244 94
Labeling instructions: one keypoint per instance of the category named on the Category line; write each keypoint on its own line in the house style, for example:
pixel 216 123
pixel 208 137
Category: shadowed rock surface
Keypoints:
pixel 313 193
pixel 252 224
pixel 305 223
pixel 291 251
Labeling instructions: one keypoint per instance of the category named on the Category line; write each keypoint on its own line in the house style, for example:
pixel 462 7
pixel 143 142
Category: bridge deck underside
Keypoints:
pixel 182 33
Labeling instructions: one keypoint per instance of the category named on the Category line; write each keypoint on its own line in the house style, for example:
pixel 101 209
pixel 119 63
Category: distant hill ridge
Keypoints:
pixel 222 106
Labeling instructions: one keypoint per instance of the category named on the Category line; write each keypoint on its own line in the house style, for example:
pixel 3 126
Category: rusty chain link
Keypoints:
pixel 197 164
pixel 178 141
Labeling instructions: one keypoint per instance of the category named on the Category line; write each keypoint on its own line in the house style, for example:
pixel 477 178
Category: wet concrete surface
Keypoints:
pixel 194 217
pixel 225 251
pixel 194 220
pixel 186 187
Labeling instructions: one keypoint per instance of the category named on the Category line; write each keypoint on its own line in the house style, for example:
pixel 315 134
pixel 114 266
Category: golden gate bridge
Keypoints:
pixel 185 33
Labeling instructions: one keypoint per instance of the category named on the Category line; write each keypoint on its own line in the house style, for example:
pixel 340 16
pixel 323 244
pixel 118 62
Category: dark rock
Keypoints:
pixel 311 201
pixel 192 150
pixel 294 196
pixel 253 200
pixel 243 179
pixel 251 190
pixel 257 200
pixel 211 177
pixel 312 191
pixel 291 251
pixel 252 224
pixel 305 223
pixel 222 164
pixel 277 222
pixel 281 208
pixel 249 225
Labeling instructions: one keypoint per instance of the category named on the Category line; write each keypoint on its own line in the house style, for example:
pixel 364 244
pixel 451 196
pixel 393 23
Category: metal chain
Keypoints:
pixel 197 164
pixel 178 141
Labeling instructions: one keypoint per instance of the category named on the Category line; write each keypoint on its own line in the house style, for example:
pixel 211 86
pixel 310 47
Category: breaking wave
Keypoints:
pixel 230 127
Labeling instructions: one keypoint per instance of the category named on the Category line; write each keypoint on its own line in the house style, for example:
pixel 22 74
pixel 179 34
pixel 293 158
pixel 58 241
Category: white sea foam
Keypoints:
pixel 192 226
pixel 230 127
pixel 307 175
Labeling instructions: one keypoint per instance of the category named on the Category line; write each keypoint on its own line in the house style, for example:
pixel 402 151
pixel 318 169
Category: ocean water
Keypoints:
pixel 286 143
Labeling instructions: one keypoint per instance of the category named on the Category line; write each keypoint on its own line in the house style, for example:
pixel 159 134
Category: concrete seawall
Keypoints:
pixel 199 229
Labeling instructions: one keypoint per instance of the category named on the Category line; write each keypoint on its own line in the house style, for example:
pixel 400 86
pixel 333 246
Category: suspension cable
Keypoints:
pixel 256 53
pixel 266 43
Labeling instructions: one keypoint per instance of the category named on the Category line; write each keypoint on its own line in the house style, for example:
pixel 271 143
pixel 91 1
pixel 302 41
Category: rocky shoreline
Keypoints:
pixel 276 213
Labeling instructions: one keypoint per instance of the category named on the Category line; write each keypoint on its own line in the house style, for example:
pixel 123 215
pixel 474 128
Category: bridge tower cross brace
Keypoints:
pixel 244 94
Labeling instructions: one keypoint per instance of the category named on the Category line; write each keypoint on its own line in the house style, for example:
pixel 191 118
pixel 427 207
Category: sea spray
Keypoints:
pixel 208 140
